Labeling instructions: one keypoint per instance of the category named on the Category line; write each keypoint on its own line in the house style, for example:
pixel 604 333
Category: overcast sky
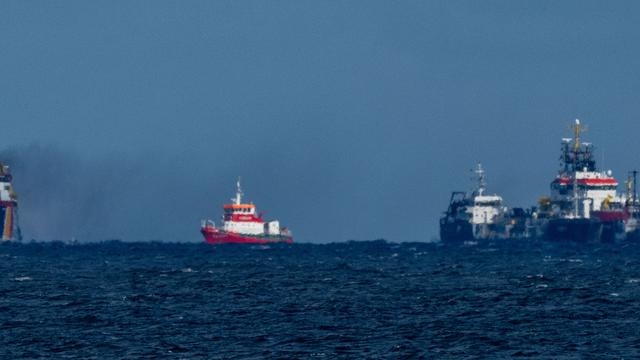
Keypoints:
pixel 345 119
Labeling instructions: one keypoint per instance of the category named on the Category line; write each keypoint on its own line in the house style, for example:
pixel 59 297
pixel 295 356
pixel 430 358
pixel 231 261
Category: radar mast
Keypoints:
pixel 238 199
pixel 578 129
pixel 482 183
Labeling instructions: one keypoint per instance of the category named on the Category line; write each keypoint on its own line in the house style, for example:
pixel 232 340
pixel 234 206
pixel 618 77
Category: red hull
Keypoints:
pixel 215 236
pixel 611 216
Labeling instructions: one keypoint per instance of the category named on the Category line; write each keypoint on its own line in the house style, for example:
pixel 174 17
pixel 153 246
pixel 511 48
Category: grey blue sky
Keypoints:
pixel 346 119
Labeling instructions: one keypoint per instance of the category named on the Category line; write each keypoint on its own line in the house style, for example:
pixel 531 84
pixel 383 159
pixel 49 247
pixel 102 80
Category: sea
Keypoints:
pixel 343 300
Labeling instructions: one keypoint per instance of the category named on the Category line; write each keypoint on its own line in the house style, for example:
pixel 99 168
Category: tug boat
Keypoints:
pixel 243 225
pixel 8 207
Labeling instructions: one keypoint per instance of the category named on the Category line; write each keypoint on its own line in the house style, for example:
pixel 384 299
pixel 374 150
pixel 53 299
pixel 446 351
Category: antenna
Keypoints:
pixel 628 184
pixel 238 199
pixel 635 193
pixel 578 129
pixel 482 184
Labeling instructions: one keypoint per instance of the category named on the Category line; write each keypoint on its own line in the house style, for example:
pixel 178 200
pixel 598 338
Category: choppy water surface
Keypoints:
pixel 351 300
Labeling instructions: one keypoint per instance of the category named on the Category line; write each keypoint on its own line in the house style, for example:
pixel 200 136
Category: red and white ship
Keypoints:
pixel 9 229
pixel 584 203
pixel 241 224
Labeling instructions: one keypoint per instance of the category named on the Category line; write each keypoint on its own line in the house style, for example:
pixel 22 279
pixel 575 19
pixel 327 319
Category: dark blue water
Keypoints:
pixel 349 300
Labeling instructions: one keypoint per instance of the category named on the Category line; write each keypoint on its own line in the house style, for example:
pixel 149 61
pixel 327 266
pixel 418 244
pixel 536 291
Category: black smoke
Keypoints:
pixel 64 195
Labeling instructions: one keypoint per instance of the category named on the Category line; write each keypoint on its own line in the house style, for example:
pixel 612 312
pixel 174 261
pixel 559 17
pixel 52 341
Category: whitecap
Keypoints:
pixel 23 278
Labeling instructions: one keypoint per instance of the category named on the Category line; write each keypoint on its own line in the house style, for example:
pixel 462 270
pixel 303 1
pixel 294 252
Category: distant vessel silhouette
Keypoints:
pixel 8 206
pixel 584 206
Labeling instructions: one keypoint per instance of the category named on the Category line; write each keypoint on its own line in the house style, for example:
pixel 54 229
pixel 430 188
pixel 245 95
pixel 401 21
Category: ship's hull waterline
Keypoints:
pixel 573 230
pixel 215 237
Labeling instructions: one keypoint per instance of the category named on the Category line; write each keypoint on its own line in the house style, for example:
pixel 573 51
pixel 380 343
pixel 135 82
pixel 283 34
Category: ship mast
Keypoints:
pixel 628 185
pixel 238 199
pixel 482 184
pixel 577 130
pixel 635 193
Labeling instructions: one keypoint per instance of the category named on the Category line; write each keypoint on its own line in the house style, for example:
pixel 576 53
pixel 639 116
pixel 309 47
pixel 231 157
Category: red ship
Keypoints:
pixel 241 224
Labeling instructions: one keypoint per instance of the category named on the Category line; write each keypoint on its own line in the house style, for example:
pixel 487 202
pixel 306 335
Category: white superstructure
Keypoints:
pixel 486 210
pixel 6 189
pixel 580 189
